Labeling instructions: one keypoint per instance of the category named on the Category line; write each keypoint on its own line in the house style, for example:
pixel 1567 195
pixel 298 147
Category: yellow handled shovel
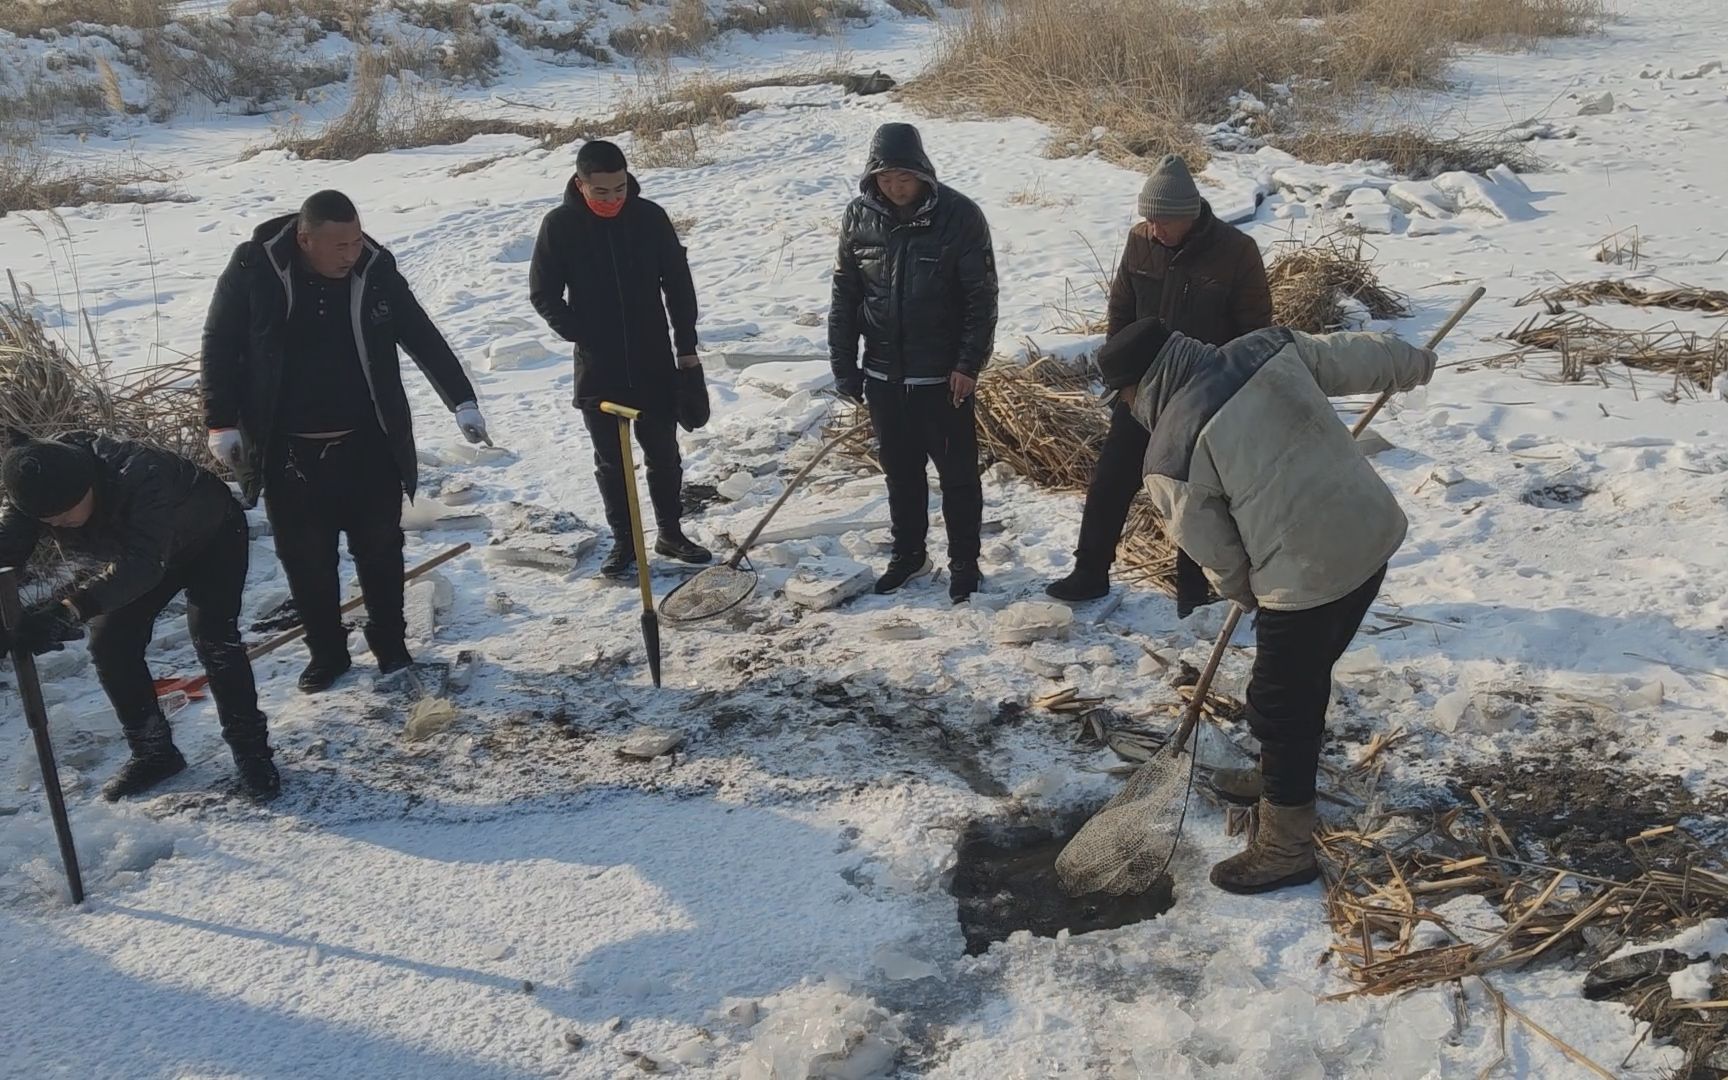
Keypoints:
pixel 650 621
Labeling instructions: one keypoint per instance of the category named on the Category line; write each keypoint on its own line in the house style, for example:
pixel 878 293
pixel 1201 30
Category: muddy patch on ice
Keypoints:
pixel 1005 880
pixel 1579 814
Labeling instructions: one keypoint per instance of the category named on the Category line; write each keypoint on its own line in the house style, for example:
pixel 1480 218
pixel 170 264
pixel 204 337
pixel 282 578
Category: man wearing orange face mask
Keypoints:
pixel 608 271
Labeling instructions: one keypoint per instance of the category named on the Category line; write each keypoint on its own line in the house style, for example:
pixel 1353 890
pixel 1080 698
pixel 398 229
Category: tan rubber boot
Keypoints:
pixel 1238 787
pixel 1280 855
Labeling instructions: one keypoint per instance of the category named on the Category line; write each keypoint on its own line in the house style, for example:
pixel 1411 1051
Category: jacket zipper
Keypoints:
pixel 623 318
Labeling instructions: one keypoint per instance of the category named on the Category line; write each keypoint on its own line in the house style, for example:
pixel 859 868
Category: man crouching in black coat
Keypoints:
pixel 304 401
pixel 608 269
pixel 916 279
pixel 161 525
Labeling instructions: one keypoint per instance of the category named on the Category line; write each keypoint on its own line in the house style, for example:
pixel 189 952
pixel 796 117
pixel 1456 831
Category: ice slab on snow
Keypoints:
pixel 517 354
pixel 1032 620
pixel 1472 192
pixel 828 582
pixel 821 1031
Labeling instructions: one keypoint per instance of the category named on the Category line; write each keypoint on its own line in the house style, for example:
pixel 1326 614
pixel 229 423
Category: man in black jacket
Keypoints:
pixel 304 401
pixel 608 269
pixel 160 525
pixel 916 279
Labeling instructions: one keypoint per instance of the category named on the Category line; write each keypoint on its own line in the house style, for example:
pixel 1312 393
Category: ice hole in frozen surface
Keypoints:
pixel 1005 880
pixel 1562 496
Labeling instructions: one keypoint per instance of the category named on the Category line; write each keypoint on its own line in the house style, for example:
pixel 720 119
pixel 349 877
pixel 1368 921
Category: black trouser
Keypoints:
pixel 1115 482
pixel 658 438
pixel 316 490
pixel 919 424
pixel 1292 684
pixel 213 578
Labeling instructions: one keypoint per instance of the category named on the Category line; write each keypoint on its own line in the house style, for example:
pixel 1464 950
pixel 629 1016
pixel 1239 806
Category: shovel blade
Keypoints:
pixel 651 639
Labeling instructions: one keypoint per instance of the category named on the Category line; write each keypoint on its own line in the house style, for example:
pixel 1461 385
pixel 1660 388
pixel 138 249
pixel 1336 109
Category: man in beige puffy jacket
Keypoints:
pixel 1262 485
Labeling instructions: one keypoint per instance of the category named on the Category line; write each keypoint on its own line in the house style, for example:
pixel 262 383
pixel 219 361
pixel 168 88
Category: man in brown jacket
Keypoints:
pixel 1202 278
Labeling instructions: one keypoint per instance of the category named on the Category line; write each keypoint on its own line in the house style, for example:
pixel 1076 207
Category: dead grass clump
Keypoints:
pixel 34 18
pixel 1411 152
pixel 664 107
pixel 44 101
pixel 922 9
pixel 685 30
pixel 1316 286
pixel 575 39
pixel 47 388
pixel 803 16
pixel 1154 74
pixel 31 180
pixel 332 16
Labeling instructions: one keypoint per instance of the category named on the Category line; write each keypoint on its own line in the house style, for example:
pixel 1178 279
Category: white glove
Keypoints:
pixel 473 425
pixel 226 446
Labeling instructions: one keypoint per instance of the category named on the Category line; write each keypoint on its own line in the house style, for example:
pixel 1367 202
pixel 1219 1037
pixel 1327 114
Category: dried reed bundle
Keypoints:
pixel 1584 343
pixel 1313 282
pixel 1585 293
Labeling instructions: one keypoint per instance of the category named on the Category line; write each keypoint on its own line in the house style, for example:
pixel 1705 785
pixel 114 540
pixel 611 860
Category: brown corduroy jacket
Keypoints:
pixel 1212 288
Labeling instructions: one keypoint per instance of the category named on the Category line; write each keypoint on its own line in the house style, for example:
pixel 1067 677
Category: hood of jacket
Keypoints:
pixel 897 146
pixel 574 199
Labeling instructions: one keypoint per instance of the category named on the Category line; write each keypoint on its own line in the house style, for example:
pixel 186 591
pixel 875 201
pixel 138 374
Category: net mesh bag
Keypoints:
pixel 1127 845
pixel 712 592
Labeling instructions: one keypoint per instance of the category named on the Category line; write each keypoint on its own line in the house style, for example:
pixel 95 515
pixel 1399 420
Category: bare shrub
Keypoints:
pixel 805 16
pixel 230 61
pixel 33 18
pixel 32 180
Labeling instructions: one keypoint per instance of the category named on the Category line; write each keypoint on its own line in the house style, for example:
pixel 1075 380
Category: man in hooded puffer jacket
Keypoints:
pixel 916 279
pixel 608 270
pixel 1262 486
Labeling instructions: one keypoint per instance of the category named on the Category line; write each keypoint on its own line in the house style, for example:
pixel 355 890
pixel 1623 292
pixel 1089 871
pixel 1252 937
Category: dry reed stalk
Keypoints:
pixel 1585 293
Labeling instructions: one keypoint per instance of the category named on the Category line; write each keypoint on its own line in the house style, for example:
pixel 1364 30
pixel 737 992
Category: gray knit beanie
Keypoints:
pixel 1170 191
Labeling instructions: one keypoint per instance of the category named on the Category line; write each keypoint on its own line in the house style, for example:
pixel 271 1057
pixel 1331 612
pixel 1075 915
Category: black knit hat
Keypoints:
pixel 46 478
pixel 1125 358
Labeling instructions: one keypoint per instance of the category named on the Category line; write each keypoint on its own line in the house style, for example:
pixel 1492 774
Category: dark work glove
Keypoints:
pixel 851 388
pixel 44 627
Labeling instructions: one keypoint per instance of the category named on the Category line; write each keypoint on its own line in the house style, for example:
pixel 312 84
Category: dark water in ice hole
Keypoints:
pixel 1005 880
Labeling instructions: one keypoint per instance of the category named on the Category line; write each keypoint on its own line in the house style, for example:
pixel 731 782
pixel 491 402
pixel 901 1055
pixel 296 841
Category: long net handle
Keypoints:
pixel 1191 717
pixel 1434 340
pixel 791 486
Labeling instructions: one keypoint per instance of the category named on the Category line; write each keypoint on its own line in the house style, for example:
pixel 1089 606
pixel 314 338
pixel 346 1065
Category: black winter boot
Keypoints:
pixel 620 564
pixel 673 544
pixel 258 775
pixel 154 759
pixel 390 651
pixel 321 674
pixel 901 569
pixel 1083 584
pixel 964 579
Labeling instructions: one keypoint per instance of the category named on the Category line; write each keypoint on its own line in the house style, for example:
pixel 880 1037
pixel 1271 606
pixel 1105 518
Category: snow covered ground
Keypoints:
pixel 513 899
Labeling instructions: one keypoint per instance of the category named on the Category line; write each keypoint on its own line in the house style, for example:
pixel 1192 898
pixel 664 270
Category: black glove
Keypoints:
pixel 692 398
pixel 851 388
pixel 44 627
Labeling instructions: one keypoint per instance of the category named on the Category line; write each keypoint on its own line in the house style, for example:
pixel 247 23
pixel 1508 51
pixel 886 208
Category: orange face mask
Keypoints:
pixel 604 209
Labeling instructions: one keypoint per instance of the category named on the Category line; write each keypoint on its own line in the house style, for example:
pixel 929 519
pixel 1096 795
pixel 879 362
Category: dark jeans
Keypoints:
pixel 658 438
pixel 1292 684
pixel 214 579
pixel 919 424
pixel 318 489
pixel 1115 482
